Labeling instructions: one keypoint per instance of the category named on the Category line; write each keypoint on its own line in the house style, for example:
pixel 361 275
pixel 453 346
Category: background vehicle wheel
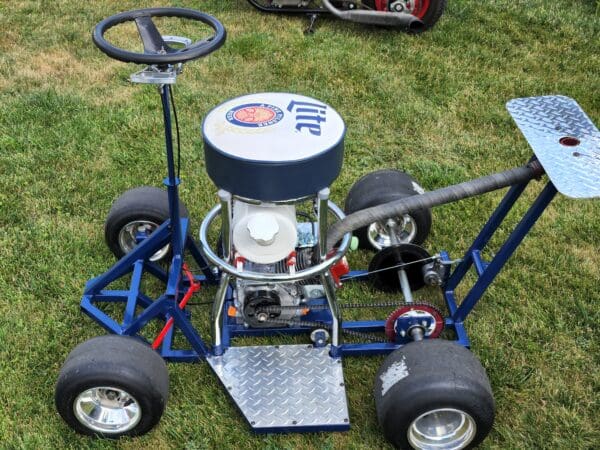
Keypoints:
pixel 112 386
pixel 429 11
pixel 433 394
pixel 139 210
pixel 384 186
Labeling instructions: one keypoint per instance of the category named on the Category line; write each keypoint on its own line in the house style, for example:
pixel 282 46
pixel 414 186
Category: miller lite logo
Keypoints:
pixel 309 116
pixel 254 115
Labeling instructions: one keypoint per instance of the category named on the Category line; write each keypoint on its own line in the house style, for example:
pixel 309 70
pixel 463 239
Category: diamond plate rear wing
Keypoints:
pixel 565 141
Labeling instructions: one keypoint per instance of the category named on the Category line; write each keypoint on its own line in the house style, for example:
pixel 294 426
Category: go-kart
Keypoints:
pixel 277 260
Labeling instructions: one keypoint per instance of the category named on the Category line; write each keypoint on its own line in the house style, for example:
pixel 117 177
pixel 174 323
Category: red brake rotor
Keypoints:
pixel 432 333
pixel 419 7
pixel 381 5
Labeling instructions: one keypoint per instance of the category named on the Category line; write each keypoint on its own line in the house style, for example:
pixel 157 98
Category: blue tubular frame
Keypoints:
pixel 136 263
pixel 487 272
pixel 174 232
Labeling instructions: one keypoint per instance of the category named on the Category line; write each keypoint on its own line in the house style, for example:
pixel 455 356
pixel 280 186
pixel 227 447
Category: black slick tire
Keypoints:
pixel 383 186
pixel 431 15
pixel 431 375
pixel 144 203
pixel 120 362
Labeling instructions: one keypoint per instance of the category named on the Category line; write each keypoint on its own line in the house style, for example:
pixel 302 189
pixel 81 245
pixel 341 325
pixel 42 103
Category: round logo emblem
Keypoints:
pixel 255 115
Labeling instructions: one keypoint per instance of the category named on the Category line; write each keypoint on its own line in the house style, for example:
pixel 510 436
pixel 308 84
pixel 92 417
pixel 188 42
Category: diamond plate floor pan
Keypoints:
pixel 286 388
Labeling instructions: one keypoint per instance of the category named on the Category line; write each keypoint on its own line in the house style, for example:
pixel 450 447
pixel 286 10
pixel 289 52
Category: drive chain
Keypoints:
pixel 320 325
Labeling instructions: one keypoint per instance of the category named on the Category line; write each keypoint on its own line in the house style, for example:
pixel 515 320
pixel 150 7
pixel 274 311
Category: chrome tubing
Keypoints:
pixel 226 232
pixel 271 278
pixel 217 313
pixel 402 276
pixel 329 287
pixel 323 197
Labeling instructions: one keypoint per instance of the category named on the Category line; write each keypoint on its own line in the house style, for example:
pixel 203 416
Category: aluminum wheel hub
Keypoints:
pixel 400 6
pixel 446 428
pixel 379 236
pixel 107 410
pixel 128 237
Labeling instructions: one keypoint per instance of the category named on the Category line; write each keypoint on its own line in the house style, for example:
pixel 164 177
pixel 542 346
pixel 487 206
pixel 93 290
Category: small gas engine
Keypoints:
pixel 293 147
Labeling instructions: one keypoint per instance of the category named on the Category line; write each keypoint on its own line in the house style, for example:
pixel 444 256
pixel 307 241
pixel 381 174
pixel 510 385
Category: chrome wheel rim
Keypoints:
pixel 128 237
pixel 379 236
pixel 445 428
pixel 107 410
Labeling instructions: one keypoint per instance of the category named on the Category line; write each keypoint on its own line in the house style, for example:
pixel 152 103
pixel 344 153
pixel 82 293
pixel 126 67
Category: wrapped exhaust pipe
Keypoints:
pixel 429 199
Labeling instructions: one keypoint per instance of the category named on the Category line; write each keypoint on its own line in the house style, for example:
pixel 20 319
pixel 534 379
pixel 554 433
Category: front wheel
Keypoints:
pixel 383 186
pixel 112 386
pixel 433 394
pixel 137 213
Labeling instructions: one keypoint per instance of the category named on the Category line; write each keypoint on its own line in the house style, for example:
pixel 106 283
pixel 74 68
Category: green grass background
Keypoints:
pixel 74 134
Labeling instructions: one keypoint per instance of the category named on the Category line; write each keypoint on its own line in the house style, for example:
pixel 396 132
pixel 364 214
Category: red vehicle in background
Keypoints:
pixel 413 16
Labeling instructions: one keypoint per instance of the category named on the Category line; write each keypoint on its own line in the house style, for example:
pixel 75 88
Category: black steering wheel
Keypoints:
pixel 156 50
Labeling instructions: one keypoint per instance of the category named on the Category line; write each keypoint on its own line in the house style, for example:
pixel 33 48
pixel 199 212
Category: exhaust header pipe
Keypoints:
pixel 429 199
pixel 380 18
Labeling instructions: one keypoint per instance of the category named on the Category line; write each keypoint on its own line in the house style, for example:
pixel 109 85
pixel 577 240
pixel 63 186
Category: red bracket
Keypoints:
pixel 194 287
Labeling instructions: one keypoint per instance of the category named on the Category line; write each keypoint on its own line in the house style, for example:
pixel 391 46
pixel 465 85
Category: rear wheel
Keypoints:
pixel 384 186
pixel 429 11
pixel 433 394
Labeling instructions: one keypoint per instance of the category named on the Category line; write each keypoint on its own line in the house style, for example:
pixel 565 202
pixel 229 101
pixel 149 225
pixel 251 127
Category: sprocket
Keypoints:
pixel 416 312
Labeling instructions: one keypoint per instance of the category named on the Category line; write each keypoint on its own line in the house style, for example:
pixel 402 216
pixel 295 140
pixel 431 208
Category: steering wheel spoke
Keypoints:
pixel 151 37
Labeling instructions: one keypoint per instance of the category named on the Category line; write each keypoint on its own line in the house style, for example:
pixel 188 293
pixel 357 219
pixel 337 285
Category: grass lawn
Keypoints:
pixel 74 134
